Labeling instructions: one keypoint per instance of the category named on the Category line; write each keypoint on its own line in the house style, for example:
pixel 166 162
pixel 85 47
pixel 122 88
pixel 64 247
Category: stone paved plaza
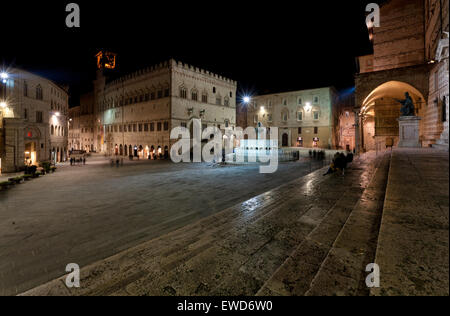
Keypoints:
pixel 86 213
pixel 312 235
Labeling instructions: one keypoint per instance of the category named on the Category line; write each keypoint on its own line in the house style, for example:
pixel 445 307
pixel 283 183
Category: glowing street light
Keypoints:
pixel 4 76
pixel 3 104
pixel 308 106
pixel 246 99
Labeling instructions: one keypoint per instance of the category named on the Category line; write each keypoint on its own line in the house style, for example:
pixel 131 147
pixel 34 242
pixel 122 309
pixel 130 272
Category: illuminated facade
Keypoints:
pixel 406 58
pixel 33 120
pixel 134 115
pixel 304 118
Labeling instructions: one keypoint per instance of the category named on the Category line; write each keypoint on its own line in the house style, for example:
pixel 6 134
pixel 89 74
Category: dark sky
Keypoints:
pixel 266 46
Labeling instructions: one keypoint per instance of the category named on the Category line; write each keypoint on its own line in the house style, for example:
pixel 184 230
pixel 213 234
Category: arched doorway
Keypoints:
pixel 126 150
pixel 380 112
pixel 32 146
pixel 121 150
pixel 285 140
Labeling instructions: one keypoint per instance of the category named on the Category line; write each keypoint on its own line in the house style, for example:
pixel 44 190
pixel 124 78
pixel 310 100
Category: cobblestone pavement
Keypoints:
pixel 238 250
pixel 83 214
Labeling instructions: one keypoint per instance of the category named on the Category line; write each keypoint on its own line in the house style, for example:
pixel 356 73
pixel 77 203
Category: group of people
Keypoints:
pixel 74 161
pixel 339 163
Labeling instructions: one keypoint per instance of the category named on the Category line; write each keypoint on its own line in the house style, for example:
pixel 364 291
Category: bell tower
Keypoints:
pixel 106 60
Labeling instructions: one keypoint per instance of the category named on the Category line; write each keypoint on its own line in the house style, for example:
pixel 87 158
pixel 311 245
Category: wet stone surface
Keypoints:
pixel 232 252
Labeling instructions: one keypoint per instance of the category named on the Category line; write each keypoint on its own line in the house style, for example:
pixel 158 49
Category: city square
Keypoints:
pixel 147 166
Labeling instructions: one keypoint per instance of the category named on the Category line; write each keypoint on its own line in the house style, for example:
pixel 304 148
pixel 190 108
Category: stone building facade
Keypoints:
pixel 344 132
pixel 304 118
pixel 403 60
pixel 134 115
pixel 81 125
pixel 33 120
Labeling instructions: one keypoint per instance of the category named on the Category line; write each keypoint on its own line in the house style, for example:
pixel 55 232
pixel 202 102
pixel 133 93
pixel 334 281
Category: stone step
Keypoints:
pixel 343 272
pixel 295 275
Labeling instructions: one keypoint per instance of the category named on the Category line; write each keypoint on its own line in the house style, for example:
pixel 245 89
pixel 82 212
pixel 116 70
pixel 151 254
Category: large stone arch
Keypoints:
pixel 375 100
pixel 415 76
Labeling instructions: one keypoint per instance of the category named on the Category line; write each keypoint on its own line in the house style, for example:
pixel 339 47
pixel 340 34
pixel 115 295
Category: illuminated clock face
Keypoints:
pixel 110 61
pixel 106 60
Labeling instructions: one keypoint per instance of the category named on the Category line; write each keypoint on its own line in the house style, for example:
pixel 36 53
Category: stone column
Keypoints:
pixel 409 132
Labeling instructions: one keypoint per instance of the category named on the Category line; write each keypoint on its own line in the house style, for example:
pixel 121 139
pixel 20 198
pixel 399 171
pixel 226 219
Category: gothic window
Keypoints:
pixel 218 100
pixel 194 95
pixel 159 126
pixel 166 126
pixel 160 94
pixel 300 116
pixel 183 93
pixel 152 127
pixel 52 130
pixel 205 98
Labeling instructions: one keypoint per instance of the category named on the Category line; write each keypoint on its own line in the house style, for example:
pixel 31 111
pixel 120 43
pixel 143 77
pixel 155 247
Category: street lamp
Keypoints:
pixel 4 76
pixel 308 107
pixel 246 99
pixel 3 105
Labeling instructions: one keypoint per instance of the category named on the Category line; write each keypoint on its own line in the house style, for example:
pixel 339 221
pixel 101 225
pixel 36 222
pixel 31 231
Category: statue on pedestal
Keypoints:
pixel 407 106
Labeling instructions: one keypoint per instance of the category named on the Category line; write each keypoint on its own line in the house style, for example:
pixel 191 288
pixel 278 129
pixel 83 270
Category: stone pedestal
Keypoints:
pixel 409 131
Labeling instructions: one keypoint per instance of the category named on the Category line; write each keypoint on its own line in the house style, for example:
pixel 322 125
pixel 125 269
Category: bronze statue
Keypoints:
pixel 407 106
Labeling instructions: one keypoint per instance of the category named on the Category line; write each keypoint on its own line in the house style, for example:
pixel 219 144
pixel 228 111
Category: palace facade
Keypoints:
pixel 304 118
pixel 33 120
pixel 133 115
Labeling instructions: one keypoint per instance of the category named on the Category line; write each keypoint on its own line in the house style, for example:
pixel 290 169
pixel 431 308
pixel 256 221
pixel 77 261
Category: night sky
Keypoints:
pixel 266 46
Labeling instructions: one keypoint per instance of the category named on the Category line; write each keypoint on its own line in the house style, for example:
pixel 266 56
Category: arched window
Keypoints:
pixel 52 130
pixel 39 94
pixel 205 97
pixel 194 95
pixel 183 93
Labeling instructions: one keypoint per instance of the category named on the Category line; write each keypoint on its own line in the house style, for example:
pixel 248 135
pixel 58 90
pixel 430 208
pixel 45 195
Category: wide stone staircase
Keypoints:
pixel 312 236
